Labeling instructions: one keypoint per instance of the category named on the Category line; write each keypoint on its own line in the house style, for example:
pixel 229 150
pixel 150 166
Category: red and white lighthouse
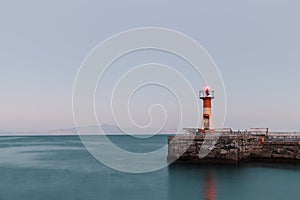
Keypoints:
pixel 207 122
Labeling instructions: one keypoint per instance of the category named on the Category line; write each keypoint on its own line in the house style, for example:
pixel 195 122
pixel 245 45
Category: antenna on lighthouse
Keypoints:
pixel 207 121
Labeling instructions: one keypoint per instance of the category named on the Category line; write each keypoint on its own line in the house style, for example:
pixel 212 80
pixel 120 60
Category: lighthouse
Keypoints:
pixel 207 121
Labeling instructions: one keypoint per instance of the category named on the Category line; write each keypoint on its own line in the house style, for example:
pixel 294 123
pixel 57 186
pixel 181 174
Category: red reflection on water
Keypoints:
pixel 210 187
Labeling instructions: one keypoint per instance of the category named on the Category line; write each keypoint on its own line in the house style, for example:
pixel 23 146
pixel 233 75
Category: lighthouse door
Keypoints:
pixel 206 123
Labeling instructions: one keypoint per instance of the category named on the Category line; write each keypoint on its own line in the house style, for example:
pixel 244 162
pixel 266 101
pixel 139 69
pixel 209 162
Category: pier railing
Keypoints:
pixel 284 135
pixel 229 131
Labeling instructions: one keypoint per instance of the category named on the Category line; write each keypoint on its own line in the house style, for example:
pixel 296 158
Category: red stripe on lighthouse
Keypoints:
pixel 207 103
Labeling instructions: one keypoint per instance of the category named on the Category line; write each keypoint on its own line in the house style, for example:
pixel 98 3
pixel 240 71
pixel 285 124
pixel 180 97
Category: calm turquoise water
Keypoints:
pixel 59 167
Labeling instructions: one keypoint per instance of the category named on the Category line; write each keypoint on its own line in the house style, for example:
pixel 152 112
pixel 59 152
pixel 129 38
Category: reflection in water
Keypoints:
pixel 192 182
pixel 210 187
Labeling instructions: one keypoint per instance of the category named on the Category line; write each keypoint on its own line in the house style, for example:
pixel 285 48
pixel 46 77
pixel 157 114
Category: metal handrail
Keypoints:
pixel 202 94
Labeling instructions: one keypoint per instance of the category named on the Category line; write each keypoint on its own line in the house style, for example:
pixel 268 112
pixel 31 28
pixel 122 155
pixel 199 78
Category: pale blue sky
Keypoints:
pixel 255 44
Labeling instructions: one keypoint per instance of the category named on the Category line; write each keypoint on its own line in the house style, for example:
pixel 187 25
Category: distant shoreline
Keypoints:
pixel 109 134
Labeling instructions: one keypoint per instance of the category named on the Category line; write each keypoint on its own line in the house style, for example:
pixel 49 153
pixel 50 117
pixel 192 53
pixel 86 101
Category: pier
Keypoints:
pixel 209 145
pixel 234 147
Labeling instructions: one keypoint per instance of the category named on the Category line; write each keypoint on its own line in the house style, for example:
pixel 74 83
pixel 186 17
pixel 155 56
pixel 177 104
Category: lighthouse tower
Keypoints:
pixel 207 122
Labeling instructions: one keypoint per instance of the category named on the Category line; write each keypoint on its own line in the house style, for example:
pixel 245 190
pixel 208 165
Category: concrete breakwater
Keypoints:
pixel 234 147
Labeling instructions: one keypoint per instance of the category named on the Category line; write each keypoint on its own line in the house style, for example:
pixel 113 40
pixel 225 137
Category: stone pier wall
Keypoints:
pixel 233 148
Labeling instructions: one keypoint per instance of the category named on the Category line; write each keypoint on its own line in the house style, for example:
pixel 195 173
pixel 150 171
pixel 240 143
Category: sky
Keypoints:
pixel 255 45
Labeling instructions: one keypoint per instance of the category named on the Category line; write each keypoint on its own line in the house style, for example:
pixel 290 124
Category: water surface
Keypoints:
pixel 59 167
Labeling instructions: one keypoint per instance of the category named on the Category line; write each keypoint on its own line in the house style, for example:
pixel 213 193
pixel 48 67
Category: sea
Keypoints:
pixel 60 167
